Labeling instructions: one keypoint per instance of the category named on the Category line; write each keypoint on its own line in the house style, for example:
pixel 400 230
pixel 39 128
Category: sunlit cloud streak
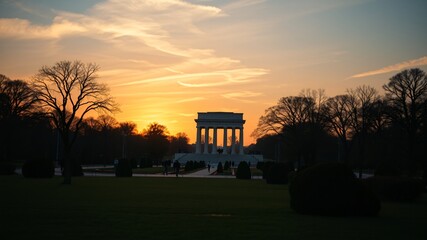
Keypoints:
pixel 235 5
pixel 242 96
pixel 395 67
pixel 194 99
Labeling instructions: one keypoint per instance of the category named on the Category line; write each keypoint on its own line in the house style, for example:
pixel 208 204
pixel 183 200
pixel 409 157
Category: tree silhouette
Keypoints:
pixel 18 99
pixel 126 129
pixel 68 91
pixel 338 116
pixel 298 120
pixel 362 102
pixel 156 136
pixel 407 93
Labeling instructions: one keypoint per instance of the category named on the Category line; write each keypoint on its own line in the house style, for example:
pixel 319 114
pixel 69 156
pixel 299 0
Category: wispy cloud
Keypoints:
pixel 395 67
pixel 186 114
pixel 191 99
pixel 241 4
pixel 243 96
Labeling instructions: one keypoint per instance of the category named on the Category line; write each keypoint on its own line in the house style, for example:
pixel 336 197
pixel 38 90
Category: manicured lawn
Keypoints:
pixel 182 208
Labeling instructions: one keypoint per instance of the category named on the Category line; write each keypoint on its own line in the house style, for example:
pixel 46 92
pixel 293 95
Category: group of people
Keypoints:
pixel 176 166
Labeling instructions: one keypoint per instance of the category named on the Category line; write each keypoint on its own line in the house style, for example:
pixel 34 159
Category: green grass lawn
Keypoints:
pixel 182 208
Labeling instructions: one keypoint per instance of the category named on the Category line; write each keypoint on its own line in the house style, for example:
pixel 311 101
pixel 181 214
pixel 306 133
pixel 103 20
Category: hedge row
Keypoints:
pixel 123 168
pixel 7 168
pixel 193 165
pixel 275 173
pixel 331 189
pixel 38 168
pixel 402 189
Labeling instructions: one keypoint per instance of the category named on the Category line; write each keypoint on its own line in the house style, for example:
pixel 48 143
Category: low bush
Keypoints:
pixel 278 173
pixel 387 170
pixel 402 189
pixel 38 168
pixel 243 171
pixel 124 168
pixel 265 168
pixel 146 163
pixel 219 168
pixel 189 166
pixel 77 170
pixel 7 168
pixel 331 189
pixel 259 165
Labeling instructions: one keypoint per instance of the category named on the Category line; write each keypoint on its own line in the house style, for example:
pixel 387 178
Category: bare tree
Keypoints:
pixel 297 120
pixel 126 128
pixel 362 100
pixel 407 93
pixel 338 117
pixel 68 91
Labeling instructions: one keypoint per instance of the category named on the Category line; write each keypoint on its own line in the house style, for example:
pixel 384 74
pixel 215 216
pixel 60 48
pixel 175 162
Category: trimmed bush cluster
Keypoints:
pixel 38 168
pixel 277 173
pixel 124 168
pixel 7 168
pixel 219 168
pixel 192 165
pixel 146 163
pixel 331 189
pixel 402 189
pixel 243 171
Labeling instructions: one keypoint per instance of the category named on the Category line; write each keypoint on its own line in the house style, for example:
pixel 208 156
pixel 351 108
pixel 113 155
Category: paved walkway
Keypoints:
pixel 199 174
pixel 204 173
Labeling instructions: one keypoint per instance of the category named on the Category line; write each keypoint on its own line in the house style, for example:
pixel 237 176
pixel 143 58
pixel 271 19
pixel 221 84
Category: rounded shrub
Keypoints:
pixel 124 168
pixel 38 168
pixel 277 173
pixel 331 189
pixel 7 168
pixel 243 171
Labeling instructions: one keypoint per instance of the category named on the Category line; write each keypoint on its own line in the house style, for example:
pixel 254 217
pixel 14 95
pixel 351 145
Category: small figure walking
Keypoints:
pixel 176 166
pixel 165 168
pixel 209 167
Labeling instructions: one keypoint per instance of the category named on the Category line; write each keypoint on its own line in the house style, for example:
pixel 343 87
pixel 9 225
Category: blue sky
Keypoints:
pixel 166 60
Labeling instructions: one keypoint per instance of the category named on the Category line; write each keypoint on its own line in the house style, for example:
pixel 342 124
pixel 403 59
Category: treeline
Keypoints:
pixel 360 127
pixel 28 133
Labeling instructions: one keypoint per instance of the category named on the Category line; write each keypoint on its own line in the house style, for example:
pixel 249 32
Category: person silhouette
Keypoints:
pixel 176 166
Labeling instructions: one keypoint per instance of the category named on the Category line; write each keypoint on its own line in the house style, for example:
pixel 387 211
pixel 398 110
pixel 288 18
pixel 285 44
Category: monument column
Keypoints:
pixel 206 140
pixel 198 136
pixel 224 145
pixel 233 141
pixel 241 141
pixel 214 143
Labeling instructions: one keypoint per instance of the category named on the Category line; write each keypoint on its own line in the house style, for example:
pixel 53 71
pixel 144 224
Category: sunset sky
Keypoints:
pixel 166 60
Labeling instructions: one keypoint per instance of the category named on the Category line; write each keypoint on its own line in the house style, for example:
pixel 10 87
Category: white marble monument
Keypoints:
pixel 219 121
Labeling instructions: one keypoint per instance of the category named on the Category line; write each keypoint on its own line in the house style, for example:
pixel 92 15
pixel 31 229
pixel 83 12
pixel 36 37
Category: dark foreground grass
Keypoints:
pixel 182 208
